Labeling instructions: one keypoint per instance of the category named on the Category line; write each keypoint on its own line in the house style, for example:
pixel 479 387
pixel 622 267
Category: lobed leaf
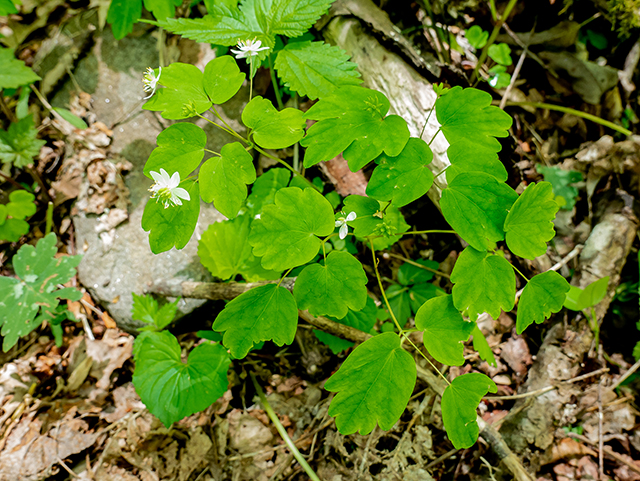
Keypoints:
pixel 561 181
pixel 467 114
pixel 404 178
pixel 162 8
pixel 173 226
pixel 373 385
pixel 476 206
pixel 332 289
pixel 183 95
pixel 293 18
pixel 35 291
pixel 224 250
pixel 122 15
pixel 315 69
pixel 13 72
pixel 459 403
pixel 20 206
pixel 273 129
pixel 483 282
pixel 145 308
pixel 371 222
pixel 18 144
pixel 180 149
pixel 578 299
pixel 222 79
pixel 465 156
pixel 411 274
pixel 529 225
pixel 482 347
pixel 353 120
pixel 543 295
pixel 263 190
pixel 171 389
pixel 444 330
pixel 265 313
pixel 223 179
pixel 285 234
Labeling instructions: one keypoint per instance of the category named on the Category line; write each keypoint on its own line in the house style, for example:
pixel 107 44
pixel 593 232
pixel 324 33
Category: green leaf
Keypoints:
pixel 483 282
pixel 544 294
pixel 481 345
pixel 222 79
pixel 224 250
pixel 7 7
pixel 476 206
pixel 332 289
pixel 444 330
pixel 578 299
pixel 370 221
pixel 399 301
pixel 335 343
pixel 411 274
pixel 352 120
pixel 18 144
pixel 180 149
pixel 477 37
pixel 13 72
pixel 171 389
pixel 498 77
pixel 173 226
pixel 35 291
pixel 364 319
pixel 73 119
pixel 21 204
pixel 315 69
pixel 145 308
pixel 459 403
pixel 529 225
pixel 162 8
pixel 272 129
pixel 421 293
pixel 468 114
pixel 403 178
pixel 223 179
pixel 122 15
pixel 263 191
pixel 183 95
pixel 500 53
pixel 223 27
pixel 13 229
pixel 466 156
pixel 265 313
pixel 374 385
pixel 293 18
pixel 285 234
pixel 561 181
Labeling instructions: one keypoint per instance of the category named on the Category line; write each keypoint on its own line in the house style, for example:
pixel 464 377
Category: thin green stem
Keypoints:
pixel 518 271
pixel 577 113
pixel 441 172
pixel 213 152
pixel 594 327
pixel 492 38
pixel 433 366
pixel 274 82
pixel 384 296
pixel 417 264
pixel 229 130
pixel 416 232
pixel 283 432
pixel 49 218
pixel 251 75
pixel 434 137
pixel 5 109
pixel 283 277
pixel 284 164
pixel 426 122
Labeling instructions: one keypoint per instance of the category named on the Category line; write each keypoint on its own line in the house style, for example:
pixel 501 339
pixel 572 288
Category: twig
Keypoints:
pixel 441 458
pixel 608 451
pixel 543 390
pixel 516 72
pixel 6 110
pixel 624 377
pixel 366 453
pixel 600 431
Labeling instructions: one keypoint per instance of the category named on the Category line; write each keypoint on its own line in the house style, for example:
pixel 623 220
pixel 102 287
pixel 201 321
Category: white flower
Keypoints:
pixel 150 81
pixel 248 48
pixel 342 223
pixel 166 189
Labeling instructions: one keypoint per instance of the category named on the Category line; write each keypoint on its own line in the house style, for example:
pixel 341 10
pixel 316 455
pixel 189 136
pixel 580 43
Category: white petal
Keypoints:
pixel 180 192
pixel 156 176
pixel 343 231
pixel 165 176
pixel 351 216
pixel 175 180
pixel 339 223
pixel 175 200
pixel 262 48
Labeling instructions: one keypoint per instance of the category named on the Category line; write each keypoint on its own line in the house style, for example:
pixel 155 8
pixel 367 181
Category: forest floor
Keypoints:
pixel 566 406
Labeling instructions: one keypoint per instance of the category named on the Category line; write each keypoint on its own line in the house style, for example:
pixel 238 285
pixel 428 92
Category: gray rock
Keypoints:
pixel 113 270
